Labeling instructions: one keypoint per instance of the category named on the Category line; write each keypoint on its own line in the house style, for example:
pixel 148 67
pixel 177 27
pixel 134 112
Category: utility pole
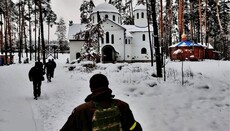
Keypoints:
pixel 156 41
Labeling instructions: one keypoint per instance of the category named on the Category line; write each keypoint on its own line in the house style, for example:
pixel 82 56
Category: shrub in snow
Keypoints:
pixel 203 87
pixel 188 73
pixel 172 73
pixel 152 84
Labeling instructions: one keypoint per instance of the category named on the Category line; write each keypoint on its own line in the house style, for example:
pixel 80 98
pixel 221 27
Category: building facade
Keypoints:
pixel 120 43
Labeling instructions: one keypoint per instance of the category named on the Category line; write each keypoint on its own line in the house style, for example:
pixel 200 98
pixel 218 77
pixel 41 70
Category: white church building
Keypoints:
pixel 121 43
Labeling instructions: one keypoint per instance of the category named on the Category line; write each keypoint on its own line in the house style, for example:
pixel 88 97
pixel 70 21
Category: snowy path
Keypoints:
pixel 15 107
pixel 166 106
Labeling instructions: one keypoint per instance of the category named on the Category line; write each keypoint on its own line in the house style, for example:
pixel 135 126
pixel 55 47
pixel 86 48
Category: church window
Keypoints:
pixel 126 41
pixel 106 16
pixel 93 19
pixel 112 39
pixel 137 15
pixel 102 40
pixel 107 37
pixel 142 14
pixel 143 51
pixel 114 18
pixel 143 37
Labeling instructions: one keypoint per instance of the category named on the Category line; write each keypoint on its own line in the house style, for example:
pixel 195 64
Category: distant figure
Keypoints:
pixel 53 67
pixel 101 112
pixel 49 69
pixel 36 76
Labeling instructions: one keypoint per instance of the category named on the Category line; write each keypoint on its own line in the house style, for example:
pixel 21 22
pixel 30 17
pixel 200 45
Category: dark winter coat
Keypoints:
pixel 81 117
pixel 36 73
pixel 49 67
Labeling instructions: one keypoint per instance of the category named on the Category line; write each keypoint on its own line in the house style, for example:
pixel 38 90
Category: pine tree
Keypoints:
pixel 61 33
pixel 90 49
pixel 85 9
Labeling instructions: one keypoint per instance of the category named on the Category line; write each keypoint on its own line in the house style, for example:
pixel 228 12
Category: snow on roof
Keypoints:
pixel 75 28
pixel 178 51
pixel 207 45
pixel 140 7
pixel 128 34
pixel 185 43
pixel 133 28
pixel 105 7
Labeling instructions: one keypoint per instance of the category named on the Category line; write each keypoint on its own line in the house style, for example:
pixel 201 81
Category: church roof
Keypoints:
pixel 207 45
pixel 105 7
pixel 75 28
pixel 133 28
pixel 140 7
pixel 186 43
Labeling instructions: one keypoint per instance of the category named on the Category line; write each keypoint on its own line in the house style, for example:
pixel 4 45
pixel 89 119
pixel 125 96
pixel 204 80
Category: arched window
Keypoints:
pixel 102 40
pixel 78 55
pixel 142 14
pixel 112 39
pixel 98 18
pixel 143 37
pixel 137 15
pixel 107 37
pixel 143 51
pixel 106 16
pixel 114 18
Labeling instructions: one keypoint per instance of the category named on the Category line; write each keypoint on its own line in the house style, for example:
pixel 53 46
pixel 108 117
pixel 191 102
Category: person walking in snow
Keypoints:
pixel 36 76
pixel 49 69
pixel 115 114
pixel 53 67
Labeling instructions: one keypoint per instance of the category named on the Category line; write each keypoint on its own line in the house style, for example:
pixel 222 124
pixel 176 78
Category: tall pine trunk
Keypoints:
pixel 156 40
pixel 150 41
pixel 1 34
pixel 180 18
pixel 191 21
pixel 30 32
pixel 6 31
pixel 200 18
pixel 35 34
pixel 42 31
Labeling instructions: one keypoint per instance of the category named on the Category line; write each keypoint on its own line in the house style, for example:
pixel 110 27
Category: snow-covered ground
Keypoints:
pixel 201 104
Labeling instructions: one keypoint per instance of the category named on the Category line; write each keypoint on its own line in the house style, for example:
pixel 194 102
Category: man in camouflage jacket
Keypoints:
pixel 81 117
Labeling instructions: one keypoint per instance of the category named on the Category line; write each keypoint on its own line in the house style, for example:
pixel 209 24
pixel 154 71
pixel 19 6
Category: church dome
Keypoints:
pixel 105 7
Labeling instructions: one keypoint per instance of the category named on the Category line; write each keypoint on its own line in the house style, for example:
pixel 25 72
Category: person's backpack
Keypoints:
pixel 106 119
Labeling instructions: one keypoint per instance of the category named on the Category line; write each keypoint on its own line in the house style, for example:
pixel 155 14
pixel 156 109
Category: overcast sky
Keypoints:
pixel 69 10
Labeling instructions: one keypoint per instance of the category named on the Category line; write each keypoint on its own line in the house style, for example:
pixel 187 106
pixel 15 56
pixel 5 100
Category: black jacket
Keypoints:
pixel 36 74
pixel 81 117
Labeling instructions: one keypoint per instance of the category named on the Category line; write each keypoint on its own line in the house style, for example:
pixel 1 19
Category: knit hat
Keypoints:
pixel 99 86
pixel 98 81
